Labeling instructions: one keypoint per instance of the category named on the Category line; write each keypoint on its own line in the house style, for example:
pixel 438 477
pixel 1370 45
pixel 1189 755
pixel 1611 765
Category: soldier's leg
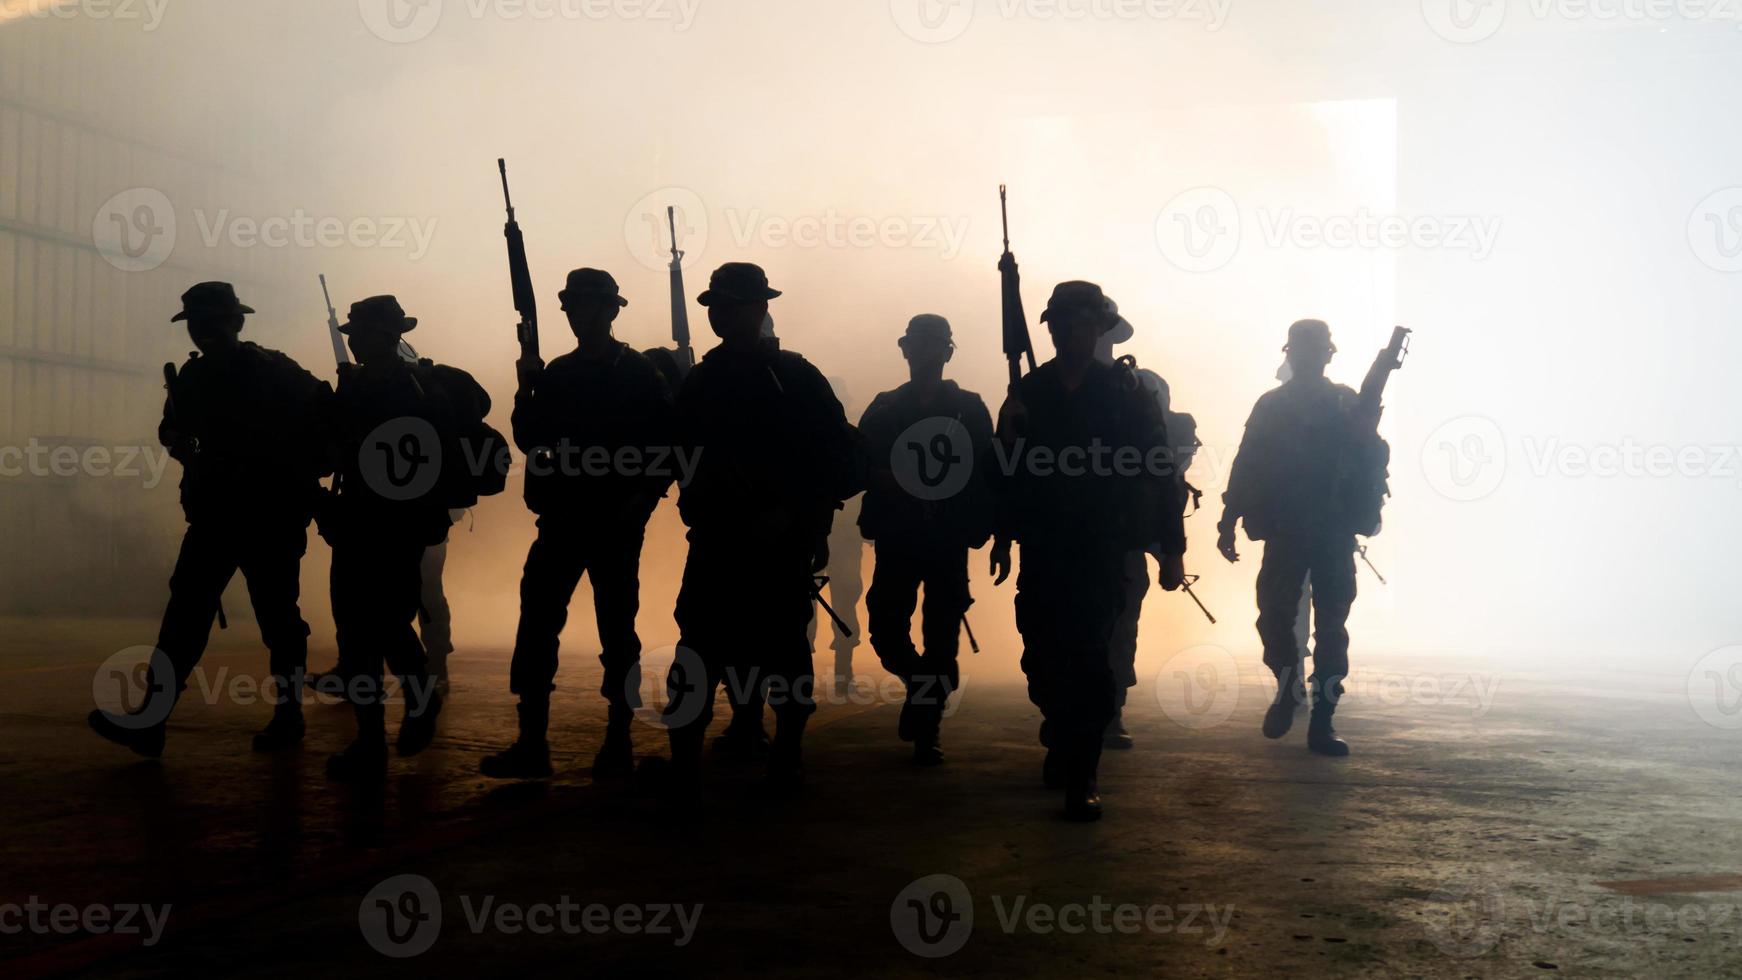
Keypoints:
pixel 846 587
pixel 704 621
pixel 399 593
pixel 204 567
pixel 1280 582
pixel 358 672
pixel 789 669
pixel 1123 649
pixel 616 575
pixel 938 672
pixel 272 567
pixel 889 608
pixel 434 616
pixel 1038 619
pixel 553 568
pixel 1333 573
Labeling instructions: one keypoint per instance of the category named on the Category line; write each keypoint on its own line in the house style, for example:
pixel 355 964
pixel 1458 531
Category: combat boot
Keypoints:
pixel 744 738
pixel 1052 770
pixel 786 754
pixel 1279 717
pixel 423 704
pixel 128 731
pixel 1116 736
pixel 616 758
pixel 1082 795
pixel 927 749
pixel 365 761
pixel 284 731
pixel 1321 737
pixel 529 756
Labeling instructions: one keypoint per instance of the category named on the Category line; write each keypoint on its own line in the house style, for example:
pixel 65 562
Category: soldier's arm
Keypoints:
pixel 529 422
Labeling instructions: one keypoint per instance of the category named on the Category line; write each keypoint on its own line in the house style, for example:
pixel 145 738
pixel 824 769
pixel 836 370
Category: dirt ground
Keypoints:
pixel 1487 825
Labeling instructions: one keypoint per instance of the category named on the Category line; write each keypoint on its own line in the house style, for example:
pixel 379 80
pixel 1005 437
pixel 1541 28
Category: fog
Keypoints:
pixel 1552 205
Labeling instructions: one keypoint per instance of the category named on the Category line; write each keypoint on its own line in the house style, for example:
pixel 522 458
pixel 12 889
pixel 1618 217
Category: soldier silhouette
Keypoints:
pixel 248 426
pixel 407 447
pixel 598 427
pixel 922 524
pixel 1086 481
pixel 775 458
pixel 1285 486
pixel 846 574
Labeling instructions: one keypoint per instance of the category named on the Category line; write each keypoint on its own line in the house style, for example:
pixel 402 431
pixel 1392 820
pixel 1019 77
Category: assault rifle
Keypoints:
pixel 519 276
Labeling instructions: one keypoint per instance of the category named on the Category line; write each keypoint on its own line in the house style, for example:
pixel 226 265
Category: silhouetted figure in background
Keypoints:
pixel 248 426
pixel 1083 488
pixel 1182 437
pixel 846 574
pixel 776 458
pixel 401 464
pixel 923 523
pixel 598 428
pixel 1284 484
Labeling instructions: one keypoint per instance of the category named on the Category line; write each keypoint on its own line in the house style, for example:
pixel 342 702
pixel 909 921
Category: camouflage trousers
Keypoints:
pixel 270 560
pixel 930 676
pixel 566 549
pixel 1281 580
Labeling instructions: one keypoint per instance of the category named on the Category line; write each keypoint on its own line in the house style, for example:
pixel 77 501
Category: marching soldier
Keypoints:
pixel 598 428
pixel 1089 480
pixel 1284 485
pixel 402 460
pixel 927 505
pixel 775 458
pixel 248 426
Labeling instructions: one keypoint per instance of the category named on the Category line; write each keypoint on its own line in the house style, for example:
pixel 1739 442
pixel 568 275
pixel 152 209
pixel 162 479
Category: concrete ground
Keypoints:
pixel 1487 825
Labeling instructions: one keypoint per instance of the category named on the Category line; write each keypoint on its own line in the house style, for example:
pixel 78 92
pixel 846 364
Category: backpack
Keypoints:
pixel 475 455
pixel 1364 482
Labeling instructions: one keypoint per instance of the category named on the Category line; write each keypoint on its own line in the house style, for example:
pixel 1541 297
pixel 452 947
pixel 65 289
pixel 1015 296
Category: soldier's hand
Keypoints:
pixel 1225 544
pixel 1000 564
pixel 820 554
pixel 528 370
pixel 1173 572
